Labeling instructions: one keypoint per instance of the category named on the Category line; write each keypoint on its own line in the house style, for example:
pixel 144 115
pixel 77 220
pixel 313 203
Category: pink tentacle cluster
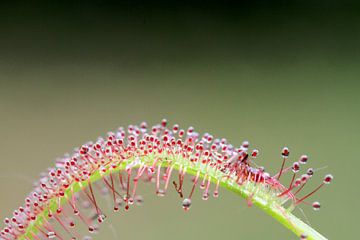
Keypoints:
pixel 160 143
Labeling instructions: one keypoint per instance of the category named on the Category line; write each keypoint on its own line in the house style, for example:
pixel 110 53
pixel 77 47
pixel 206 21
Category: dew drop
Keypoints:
pixel 255 153
pixel 216 194
pixel 316 206
pixel 127 207
pixel 245 144
pixel 51 235
pixel 285 152
pixel 151 170
pixel 310 172
pixel 72 224
pixel 328 178
pixel 163 122
pixel 186 204
pixel 160 193
pixel 295 167
pixel 91 229
pixel 303 159
pixel 304 178
pixel 101 218
pixel 205 196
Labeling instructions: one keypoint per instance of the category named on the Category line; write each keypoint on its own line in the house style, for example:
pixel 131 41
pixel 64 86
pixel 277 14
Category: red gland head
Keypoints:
pixel 303 159
pixel 328 178
pixel 316 206
pixel 285 152
pixel 295 167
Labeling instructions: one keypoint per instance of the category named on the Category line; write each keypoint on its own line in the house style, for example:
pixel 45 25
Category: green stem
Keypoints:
pixel 251 192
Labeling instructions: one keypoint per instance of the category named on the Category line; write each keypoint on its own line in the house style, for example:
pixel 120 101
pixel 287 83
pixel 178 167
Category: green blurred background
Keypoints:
pixel 274 73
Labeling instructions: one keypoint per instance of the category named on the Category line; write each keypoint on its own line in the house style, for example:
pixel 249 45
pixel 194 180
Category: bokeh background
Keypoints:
pixel 271 72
